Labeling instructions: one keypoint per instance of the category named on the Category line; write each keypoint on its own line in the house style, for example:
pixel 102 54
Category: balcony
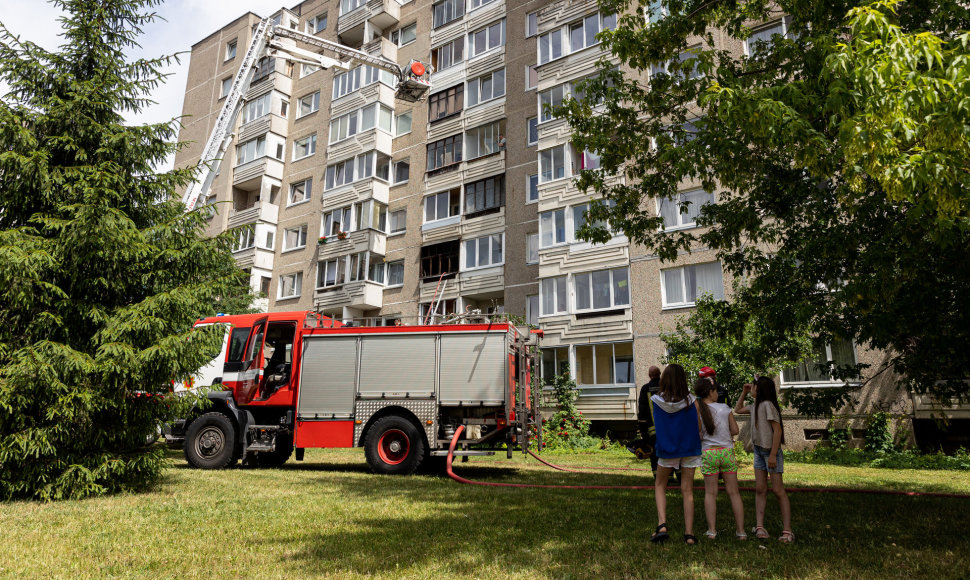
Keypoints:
pixel 276 81
pixel 362 190
pixel 249 176
pixel 269 123
pixel 362 294
pixel 368 240
pixel 254 257
pixel 382 14
pixel 261 211
pixel 370 140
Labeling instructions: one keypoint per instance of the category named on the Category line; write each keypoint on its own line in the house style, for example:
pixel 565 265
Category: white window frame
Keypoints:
pixel 340 276
pixel 258 148
pixel 595 346
pixel 681 217
pixel 225 88
pixel 549 219
pixel 308 69
pixel 657 8
pixel 301 238
pixel 490 241
pixel 450 48
pixel 532 191
pixel 476 4
pixel 457 12
pixel 488 48
pixel 683 282
pixel 530 70
pixel 307 185
pixel 579 279
pixel 297 285
pixel 397 123
pixel 394 171
pixel 550 153
pixel 244 238
pixel 435 196
pixel 387 273
pixel 341 217
pixel 493 78
pixel 832 382
pixel 258 108
pixel 348 6
pixel 532 129
pixel 309 142
pixel 532 248
pixel 397 36
pixel 781 23
pixel 560 295
pixel 391 220
pixel 549 97
pixel 231 48
pixel 484 140
pixel 314 105
pixel 313 24
pixel 531 24
pixel 544 44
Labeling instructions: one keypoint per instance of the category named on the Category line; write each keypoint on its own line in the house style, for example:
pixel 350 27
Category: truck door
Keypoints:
pixel 249 379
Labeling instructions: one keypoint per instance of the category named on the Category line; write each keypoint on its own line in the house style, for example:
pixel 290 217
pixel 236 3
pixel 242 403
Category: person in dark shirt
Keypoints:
pixel 644 417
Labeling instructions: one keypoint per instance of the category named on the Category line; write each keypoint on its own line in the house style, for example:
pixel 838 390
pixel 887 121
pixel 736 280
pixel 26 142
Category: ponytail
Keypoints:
pixel 703 388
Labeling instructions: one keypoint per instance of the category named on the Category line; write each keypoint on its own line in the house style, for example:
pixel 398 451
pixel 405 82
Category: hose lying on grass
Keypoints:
pixel 575 469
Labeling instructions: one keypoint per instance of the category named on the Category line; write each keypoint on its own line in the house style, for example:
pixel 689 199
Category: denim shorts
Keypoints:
pixel 761 460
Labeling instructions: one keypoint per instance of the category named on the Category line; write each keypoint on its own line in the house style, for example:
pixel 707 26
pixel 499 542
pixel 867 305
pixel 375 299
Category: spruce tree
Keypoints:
pixel 102 273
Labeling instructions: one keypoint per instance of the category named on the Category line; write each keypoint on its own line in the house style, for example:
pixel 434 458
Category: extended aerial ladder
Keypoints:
pixel 413 83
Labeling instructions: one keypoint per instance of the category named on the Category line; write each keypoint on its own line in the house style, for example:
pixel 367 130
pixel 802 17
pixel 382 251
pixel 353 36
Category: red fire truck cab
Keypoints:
pixel 297 380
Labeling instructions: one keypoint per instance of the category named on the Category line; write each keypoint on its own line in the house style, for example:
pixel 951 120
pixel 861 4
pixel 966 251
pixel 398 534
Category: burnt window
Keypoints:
pixel 446 103
pixel 484 196
pixel 440 260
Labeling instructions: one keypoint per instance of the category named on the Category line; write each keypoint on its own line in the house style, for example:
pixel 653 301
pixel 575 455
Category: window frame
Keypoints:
pixel 451 204
pixel 612 284
pixel 498 196
pixel 532 191
pixel 479 265
pixel 225 87
pixel 532 130
pixel 301 236
pixel 596 385
pixel 456 143
pixel 231 49
pixel 455 51
pixel 666 305
pixel 397 36
pixel 307 191
pixel 681 225
pixel 314 104
pixel 479 82
pixel 391 221
pixel 310 143
pixel 393 265
pixel 297 286
pixel 487 32
pixel 455 94
pixel 531 24
pixel 532 248
pixel 458 11
pixel 477 144
pixel 560 295
pixel 784 383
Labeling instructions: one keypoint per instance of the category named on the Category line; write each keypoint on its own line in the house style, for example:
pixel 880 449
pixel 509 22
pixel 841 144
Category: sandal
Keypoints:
pixel 760 532
pixel 787 537
pixel 741 535
pixel 660 536
pixel 711 535
pixel 690 540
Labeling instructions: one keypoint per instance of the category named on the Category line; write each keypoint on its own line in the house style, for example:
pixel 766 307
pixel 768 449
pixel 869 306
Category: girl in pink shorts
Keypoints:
pixel 717 441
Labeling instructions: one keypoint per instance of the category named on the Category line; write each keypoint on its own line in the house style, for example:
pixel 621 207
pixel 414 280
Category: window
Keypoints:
pixel 264 67
pixel 375 268
pixel 552 228
pixel 532 188
pixel 682 286
pixel 257 108
pixel 370 214
pixel 532 310
pixel 819 369
pixel 294 238
pixel 300 191
pixel 604 364
pixel 555 362
pixel 434 313
pixel 486 88
pixel 332 272
pixel 336 221
pixel 484 140
pixel 440 260
pixel 444 152
pixel 305 147
pixel 442 205
pixel 352 80
pixel 602 289
pixel 359 121
pixel 656 11
pixel 552 292
pixel 350 5
pixel 290 285
pixel 270 239
pixel 447 11
pixel 402 170
pixel 532 249
pixel 759 44
pixel 551 98
pixel 365 165
pixel 484 195
pixel 550 46
pixel 486 39
pixel 447 55
pixel 399 221
pixel 308 104
pixel 483 252
pixel 317 24
pixel 284 108
pixel 308 69
pixel 395 273
pixel 244 238
pixel 533 131
pixel 531 24
pixel 552 164
pixel 531 77
pixel 479 3
pixel 677 216
pixel 585 160
pixel 582 33
pixel 446 103
pixel 579 218
pixel 344 126
pixel 405 35
pixel 231 50
pixel 250 150
pixel 403 124
pixel 226 87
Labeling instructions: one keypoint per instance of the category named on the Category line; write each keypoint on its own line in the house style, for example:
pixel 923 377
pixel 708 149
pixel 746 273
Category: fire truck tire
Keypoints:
pixel 284 448
pixel 394 446
pixel 210 442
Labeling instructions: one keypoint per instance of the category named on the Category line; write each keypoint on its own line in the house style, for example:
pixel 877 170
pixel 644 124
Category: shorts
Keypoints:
pixel 692 462
pixel 761 460
pixel 718 460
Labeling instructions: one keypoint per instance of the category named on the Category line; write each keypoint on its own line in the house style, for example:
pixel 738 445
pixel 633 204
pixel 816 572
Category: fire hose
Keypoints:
pixel 575 469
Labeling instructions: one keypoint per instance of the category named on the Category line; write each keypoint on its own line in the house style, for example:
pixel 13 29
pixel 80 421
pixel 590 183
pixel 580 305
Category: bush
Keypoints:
pixel 567 428
pixel 879 438
pixel 893 459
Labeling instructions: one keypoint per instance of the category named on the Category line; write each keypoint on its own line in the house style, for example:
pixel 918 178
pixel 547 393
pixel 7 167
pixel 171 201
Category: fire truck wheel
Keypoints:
pixel 284 448
pixel 394 446
pixel 210 442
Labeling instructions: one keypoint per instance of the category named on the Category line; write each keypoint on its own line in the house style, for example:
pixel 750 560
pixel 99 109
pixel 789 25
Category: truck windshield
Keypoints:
pixel 237 344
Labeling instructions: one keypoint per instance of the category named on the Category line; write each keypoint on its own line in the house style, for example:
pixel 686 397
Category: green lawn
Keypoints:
pixel 328 516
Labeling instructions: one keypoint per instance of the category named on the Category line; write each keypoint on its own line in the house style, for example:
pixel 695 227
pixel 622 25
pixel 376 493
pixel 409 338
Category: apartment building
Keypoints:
pixel 349 202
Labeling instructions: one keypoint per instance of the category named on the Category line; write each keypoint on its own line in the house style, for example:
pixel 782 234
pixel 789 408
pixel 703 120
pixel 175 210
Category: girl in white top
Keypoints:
pixel 717 456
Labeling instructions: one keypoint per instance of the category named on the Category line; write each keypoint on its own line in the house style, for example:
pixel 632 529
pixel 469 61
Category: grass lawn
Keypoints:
pixel 329 516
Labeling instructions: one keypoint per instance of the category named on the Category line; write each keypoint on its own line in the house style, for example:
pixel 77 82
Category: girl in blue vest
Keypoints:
pixel 677 421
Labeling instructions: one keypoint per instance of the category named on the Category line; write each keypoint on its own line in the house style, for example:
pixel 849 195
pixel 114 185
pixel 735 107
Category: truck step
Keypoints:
pixel 459 452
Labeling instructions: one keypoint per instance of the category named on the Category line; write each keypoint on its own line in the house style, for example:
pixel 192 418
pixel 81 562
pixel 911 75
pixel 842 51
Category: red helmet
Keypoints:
pixel 706 373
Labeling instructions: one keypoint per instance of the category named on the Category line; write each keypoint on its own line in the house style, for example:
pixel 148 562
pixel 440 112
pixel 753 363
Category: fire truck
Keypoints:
pixel 297 380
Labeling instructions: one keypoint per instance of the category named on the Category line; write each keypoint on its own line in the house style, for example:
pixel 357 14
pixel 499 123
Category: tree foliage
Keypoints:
pixel 101 271
pixel 838 153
